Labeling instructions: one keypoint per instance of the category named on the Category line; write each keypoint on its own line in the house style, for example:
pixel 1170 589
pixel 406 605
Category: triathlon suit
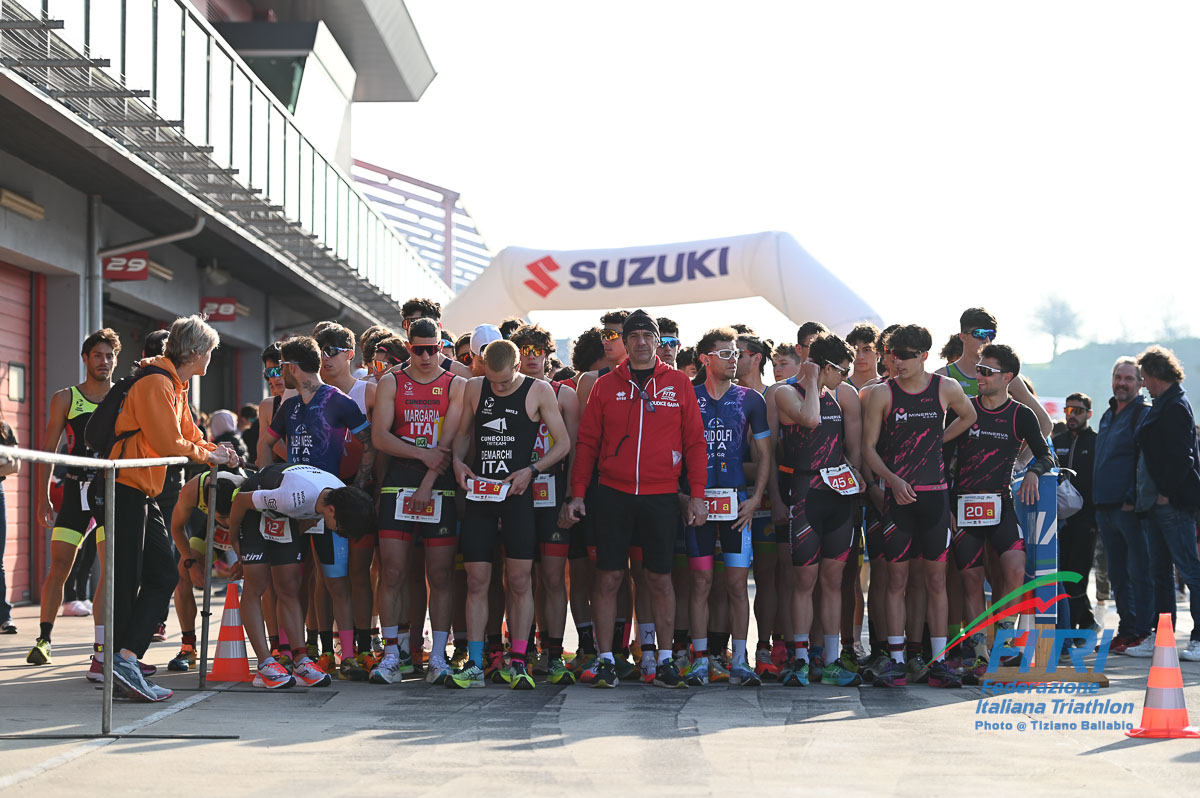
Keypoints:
pixel 552 541
pixel 504 441
pixel 283 495
pixel 353 458
pixel 74 515
pixel 738 416
pixel 762 528
pixel 420 414
pixel 587 526
pixel 970 385
pixel 316 434
pixel 197 524
pixel 985 455
pixel 820 516
pixel 911 447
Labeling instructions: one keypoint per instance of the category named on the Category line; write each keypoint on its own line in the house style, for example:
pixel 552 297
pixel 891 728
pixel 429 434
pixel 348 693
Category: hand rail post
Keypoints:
pixel 206 613
pixel 110 534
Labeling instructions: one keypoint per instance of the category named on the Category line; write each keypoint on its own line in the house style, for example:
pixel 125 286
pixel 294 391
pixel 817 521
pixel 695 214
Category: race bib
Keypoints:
pixel 764 508
pixel 83 500
pixel 979 509
pixel 543 491
pixel 277 530
pixel 407 510
pixel 722 503
pixel 486 490
pixel 221 539
pixel 841 478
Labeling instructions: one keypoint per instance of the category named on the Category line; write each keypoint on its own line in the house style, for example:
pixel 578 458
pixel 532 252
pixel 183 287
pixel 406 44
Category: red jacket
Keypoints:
pixel 636 450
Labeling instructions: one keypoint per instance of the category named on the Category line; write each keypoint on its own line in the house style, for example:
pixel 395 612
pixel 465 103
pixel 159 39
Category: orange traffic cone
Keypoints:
pixel 1164 714
pixel 231 663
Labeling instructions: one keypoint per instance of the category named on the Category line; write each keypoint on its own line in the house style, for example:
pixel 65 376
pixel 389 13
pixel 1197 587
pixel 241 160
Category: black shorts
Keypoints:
pixel 512 521
pixel 442 533
pixel 878 529
pixel 625 519
pixel 922 528
pixel 553 541
pixel 72 522
pixel 1003 537
pixel 820 525
pixel 257 550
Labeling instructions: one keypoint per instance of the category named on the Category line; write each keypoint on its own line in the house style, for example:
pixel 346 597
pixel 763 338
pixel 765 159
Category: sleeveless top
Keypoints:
pixel 545 441
pixel 504 432
pixel 78 413
pixel 806 450
pixel 420 412
pixel 911 438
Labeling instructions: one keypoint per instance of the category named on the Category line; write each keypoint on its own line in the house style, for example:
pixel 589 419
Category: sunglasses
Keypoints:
pixel 1075 411
pixel 334 351
pixel 447 344
pixel 645 397
pixel 271 372
pixel 982 334
pixel 283 363
pixel 905 354
pixel 380 366
pixel 529 350
pixel 724 354
pixel 986 371
pixel 841 370
pixel 465 358
pixel 669 342
pixel 425 349
pixel 609 335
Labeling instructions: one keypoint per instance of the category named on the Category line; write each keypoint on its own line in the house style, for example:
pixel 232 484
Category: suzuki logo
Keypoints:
pixel 542 283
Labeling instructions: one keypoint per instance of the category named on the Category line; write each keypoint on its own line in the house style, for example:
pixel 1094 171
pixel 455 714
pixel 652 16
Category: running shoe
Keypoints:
pixel 541 665
pixel 917 669
pixel 147 669
pixel 8 628
pixel 161 693
pixel 626 668
pixel 1192 652
pixel 437 673
pixel 353 670
pixel 860 650
pixel 327 662
pixel 587 672
pixel 973 670
pixel 314 652
pixel 741 673
pixel 873 666
pixel 459 657
pixel 795 674
pixel 667 675
pixel 682 660
pixel 837 674
pixel 493 668
pixel 184 661
pixel 160 634
pixel 816 659
pixel 406 663
pixel 40 653
pixel 75 609
pixel 96 672
pixel 517 676
pixel 87 603
pixel 605 674
pixel 471 675
pixel 557 672
pixel 763 666
pixel 647 672
pixel 310 674
pixel 387 671
pixel 892 674
pixel 377 644
pixel 718 669
pixel 283 659
pixel 1143 650
pixel 779 654
pixel 849 661
pixel 697 674
pixel 272 676
pixel 129 677
pixel 940 675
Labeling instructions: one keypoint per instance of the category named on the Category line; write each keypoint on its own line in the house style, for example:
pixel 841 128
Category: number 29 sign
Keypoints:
pixel 127 266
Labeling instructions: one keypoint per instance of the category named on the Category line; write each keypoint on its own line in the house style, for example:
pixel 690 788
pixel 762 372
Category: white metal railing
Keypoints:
pixel 110 468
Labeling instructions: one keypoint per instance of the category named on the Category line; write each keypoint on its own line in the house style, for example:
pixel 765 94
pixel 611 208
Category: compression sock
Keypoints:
pixel 475 652
pixel 896 649
pixel 646 635
pixel 801 644
pixel 587 638
pixel 938 644
pixel 44 634
pixel 390 633
pixel 739 651
pixel 311 640
pixel 401 638
pixel 362 639
pixel 346 638
pixel 519 647
pixel 438 655
pixel 554 647
pixel 926 643
pixel 682 640
pixel 273 643
pixel 912 648
pixel 326 642
pixel 283 639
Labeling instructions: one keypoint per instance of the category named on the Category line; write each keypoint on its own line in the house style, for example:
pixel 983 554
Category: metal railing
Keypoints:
pixel 110 468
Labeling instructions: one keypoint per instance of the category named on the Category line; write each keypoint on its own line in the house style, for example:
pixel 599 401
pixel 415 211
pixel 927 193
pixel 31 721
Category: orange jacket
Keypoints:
pixel 157 407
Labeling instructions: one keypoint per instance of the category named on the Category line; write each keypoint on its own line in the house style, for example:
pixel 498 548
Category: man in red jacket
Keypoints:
pixel 640 426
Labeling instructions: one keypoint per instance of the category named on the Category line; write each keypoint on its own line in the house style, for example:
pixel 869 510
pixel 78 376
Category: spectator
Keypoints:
pixel 155 422
pixel 1076 450
pixel 8 468
pixel 248 426
pixel 685 361
pixel 1114 484
pixel 224 430
pixel 1168 489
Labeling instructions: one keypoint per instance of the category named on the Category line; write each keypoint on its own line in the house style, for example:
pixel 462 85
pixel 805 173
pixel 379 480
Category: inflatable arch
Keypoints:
pixel 771 265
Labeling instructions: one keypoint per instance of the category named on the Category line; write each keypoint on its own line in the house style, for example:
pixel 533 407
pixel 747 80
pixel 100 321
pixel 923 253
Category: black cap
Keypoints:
pixel 639 320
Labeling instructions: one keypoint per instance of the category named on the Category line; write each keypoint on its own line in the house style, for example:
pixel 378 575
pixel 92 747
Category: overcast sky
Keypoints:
pixel 934 155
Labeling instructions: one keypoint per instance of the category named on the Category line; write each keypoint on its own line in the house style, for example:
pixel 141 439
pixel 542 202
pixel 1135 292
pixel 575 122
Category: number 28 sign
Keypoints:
pixel 127 266
pixel 219 308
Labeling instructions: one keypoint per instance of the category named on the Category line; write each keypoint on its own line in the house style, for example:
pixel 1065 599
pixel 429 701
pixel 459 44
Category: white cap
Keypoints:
pixel 484 334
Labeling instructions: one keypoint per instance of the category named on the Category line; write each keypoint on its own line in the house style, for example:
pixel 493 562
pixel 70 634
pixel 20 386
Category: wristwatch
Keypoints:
pixel 189 562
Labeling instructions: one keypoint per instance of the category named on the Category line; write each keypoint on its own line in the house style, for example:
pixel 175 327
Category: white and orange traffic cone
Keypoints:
pixel 1164 714
pixel 231 663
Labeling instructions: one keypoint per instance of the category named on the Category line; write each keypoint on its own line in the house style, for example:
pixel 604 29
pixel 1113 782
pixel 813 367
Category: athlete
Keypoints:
pixel 982 510
pixel 314 425
pixel 735 417
pixel 191 516
pixel 417 414
pixel 70 409
pixel 415 309
pixel 821 430
pixel 504 411
pixel 555 540
pixel 668 344
pixel 614 351
pixel 637 432
pixel 864 340
pixel 275 510
pixel 273 374
pixel 904 431
pixel 785 362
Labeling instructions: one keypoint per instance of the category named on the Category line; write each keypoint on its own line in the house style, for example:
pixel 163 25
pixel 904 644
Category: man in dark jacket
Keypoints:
pixel 1076 450
pixel 1169 487
pixel 1114 486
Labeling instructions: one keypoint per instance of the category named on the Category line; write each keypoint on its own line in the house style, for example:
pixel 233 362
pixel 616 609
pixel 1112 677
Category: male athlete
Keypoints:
pixel 70 409
pixel 417 308
pixel 904 431
pixel 504 411
pixel 418 412
pixel 735 418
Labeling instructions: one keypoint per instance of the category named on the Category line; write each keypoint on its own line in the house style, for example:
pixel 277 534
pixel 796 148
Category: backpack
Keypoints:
pixel 100 432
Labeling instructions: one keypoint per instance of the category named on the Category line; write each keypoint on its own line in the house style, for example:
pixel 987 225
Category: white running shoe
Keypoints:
pixel 1192 652
pixel 75 609
pixel 1144 650
pixel 308 674
pixel 437 672
pixel 387 671
pixel 273 676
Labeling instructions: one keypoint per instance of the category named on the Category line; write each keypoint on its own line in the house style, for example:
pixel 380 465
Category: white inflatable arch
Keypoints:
pixel 771 265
